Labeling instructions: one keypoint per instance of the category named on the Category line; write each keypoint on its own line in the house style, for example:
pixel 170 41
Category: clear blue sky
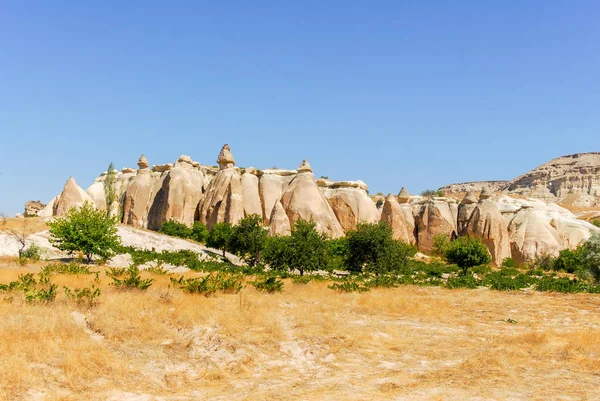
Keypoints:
pixel 396 93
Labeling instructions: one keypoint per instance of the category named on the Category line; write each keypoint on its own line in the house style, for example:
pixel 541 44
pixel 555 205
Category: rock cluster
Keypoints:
pixel 187 191
pixel 33 208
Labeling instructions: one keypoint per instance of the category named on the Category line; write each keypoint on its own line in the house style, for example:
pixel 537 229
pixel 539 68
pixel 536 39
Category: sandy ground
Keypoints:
pixel 309 343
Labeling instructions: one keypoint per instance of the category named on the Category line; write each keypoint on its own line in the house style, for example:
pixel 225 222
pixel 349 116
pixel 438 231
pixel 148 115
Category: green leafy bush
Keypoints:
pixel 199 232
pixel 269 284
pixel 175 229
pixel 467 252
pixel 569 261
pixel 83 296
pixel 560 284
pixel 590 256
pixel 220 237
pixel 249 239
pixel 349 285
pixel 209 285
pixel 86 230
pixel 371 249
pixel 132 280
pixel 433 192
pixel 32 252
pixel 509 262
pixel 508 279
pixel 65 268
pixel 41 295
pixel 462 281
pixel 440 245
pixel 544 262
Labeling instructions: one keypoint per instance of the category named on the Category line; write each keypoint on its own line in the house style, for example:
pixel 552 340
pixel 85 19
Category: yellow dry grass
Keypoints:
pixel 308 343
pixel 29 225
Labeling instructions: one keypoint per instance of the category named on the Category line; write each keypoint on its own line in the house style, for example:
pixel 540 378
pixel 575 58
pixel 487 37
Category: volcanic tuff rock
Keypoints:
pixel 32 208
pixel 71 196
pixel 187 191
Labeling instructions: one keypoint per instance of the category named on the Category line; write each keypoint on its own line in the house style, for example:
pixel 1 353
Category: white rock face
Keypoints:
pixel 250 194
pixel 350 203
pixel 393 214
pixel 72 196
pixel 303 200
pixel 433 217
pixel 271 186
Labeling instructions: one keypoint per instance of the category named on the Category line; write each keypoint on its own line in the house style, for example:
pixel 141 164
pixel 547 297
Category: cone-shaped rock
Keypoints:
pixel 72 196
pixel 225 158
pixel 304 167
pixel 403 196
pixel 143 162
pixel 179 194
pixel 303 200
pixel 223 199
pixel 271 186
pixel 485 193
pixel 280 223
pixel 433 218
pixel 393 215
pixel 486 222
pixel 465 209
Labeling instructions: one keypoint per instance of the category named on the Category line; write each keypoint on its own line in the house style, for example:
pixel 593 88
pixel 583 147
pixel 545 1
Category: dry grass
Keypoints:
pixel 309 342
pixel 29 224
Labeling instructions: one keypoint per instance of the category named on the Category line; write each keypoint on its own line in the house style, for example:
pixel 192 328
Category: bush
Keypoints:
pixel 568 261
pixel 544 262
pixel 509 262
pixel 132 280
pixel 440 245
pixel 371 249
pixel 220 237
pixel 209 285
pixel 462 281
pixel 590 256
pixel 199 232
pixel 249 239
pixel 42 295
pixel 32 252
pixel 304 250
pixel 596 222
pixel 86 230
pixel 349 285
pixel 467 252
pixel 269 284
pixel 560 284
pixel 83 296
pixel 508 279
pixel 432 192
pixel 175 229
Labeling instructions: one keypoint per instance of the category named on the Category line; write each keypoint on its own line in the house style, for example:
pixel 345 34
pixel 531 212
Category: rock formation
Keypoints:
pixel 350 203
pixel 223 199
pixel 179 195
pixel 71 196
pixel 465 209
pixel 433 217
pixel 250 193
pixel 280 223
pixel 486 222
pixel 139 196
pixel 403 196
pixel 272 184
pixel 33 208
pixel 303 200
pixel 394 216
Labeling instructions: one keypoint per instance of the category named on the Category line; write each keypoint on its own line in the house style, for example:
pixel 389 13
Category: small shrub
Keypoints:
pixel 209 285
pixel 467 252
pixel 560 284
pixel 32 252
pixel 175 229
pixel 65 268
pixel 385 281
pixel 432 192
pixel 220 237
pixel 508 279
pixel 83 296
pixel 568 261
pixel 544 262
pixel 42 295
pixel 596 222
pixel 269 284
pixel 462 281
pixel 296 279
pixel 440 245
pixel 509 262
pixel 116 271
pixel 157 270
pixel 132 280
pixel 349 285
pixel 199 232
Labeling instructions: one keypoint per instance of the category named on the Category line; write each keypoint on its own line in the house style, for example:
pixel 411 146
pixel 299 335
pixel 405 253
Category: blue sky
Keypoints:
pixel 396 93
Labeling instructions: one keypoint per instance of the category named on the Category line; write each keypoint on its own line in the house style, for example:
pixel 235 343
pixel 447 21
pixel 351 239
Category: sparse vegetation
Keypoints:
pixel 432 193
pixel 467 252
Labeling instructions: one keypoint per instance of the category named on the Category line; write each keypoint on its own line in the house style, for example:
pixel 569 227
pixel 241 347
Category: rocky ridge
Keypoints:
pixel 187 191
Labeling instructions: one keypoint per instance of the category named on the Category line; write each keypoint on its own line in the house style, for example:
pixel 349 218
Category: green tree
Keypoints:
pixel 590 255
pixel 276 252
pixel 467 252
pixel 249 239
pixel 110 186
pixel 199 232
pixel 372 249
pixel 220 237
pixel 306 248
pixel 86 230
